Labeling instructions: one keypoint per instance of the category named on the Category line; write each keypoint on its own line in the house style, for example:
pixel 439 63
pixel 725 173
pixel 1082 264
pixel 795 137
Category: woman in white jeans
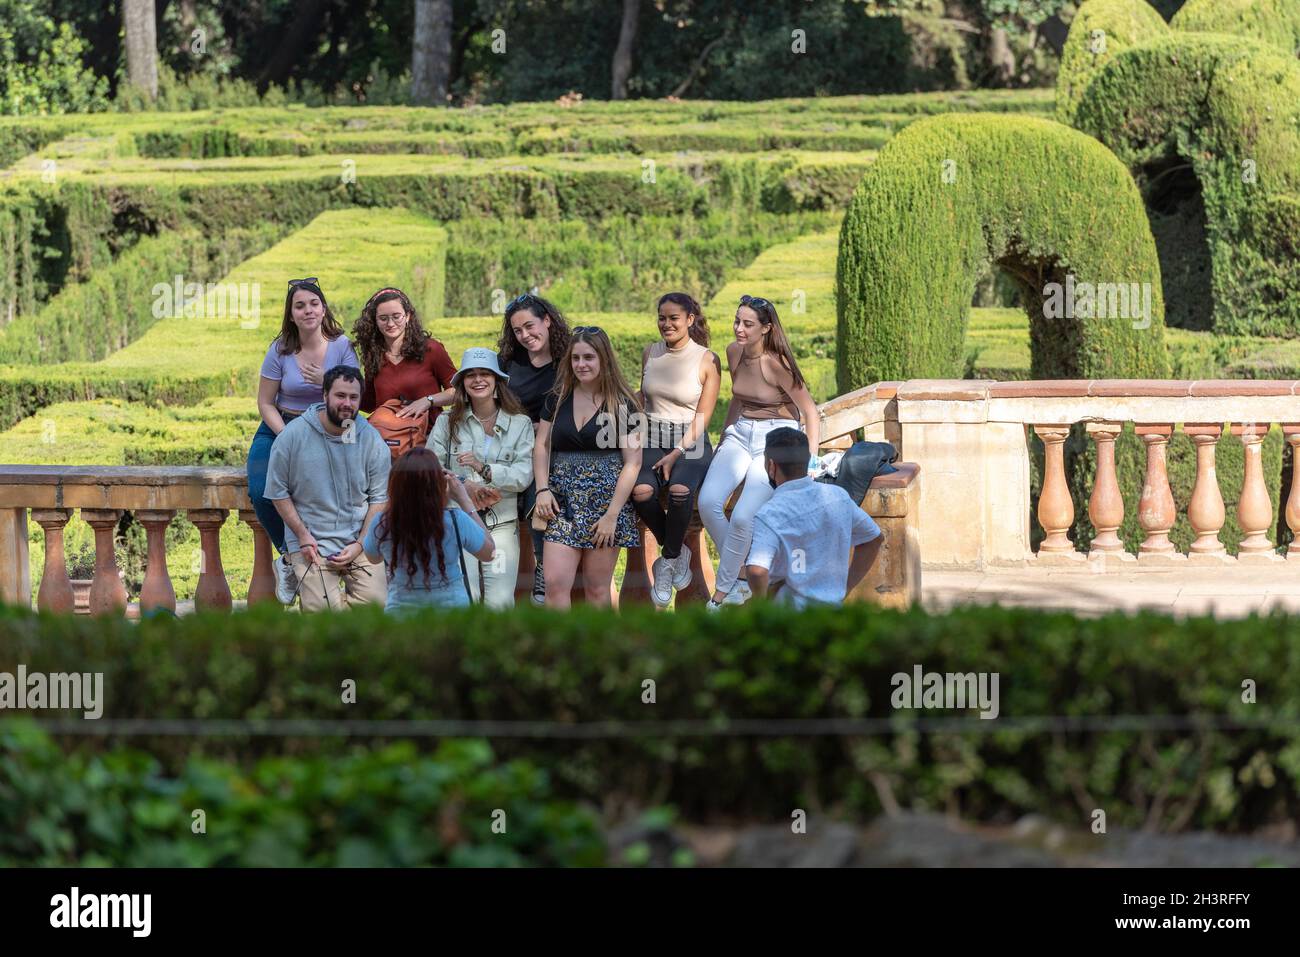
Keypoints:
pixel 767 392
pixel 487 439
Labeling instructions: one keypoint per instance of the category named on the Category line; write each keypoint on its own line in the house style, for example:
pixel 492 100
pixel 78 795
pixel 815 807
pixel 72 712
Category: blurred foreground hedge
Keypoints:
pixel 754 662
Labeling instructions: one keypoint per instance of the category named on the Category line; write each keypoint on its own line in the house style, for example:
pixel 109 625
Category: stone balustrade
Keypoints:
pixel 972 438
pixel 155 495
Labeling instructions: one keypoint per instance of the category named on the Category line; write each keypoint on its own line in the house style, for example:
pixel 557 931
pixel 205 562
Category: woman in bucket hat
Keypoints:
pixel 486 438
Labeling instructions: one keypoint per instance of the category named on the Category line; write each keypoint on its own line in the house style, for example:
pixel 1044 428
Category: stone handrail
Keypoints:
pixel 208 494
pixel 154 495
pixel 972 435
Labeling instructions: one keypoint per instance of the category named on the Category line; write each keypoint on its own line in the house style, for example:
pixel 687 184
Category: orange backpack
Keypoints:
pixel 400 434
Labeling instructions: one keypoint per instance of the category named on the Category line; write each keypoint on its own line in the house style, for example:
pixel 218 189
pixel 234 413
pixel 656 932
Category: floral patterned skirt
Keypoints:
pixel 583 484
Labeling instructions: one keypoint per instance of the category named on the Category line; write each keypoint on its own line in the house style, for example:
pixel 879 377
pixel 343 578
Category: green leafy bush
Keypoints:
pixel 41 69
pixel 760 662
pixel 380 807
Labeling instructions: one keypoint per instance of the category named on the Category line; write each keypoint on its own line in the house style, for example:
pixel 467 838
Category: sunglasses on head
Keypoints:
pixel 523 299
pixel 754 301
pixel 313 281
pixel 587 330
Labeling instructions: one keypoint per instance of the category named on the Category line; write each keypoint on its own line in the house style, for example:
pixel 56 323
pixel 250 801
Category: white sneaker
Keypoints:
pixel 712 605
pixel 286 581
pixel 738 595
pixel 663 577
pixel 682 569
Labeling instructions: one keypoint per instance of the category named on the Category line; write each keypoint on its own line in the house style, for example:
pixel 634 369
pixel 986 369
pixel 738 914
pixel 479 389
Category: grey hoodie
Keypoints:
pixel 332 482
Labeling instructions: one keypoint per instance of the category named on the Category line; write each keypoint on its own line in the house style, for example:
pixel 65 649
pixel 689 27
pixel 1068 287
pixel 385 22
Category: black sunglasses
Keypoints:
pixel 313 281
pixel 523 299
pixel 754 301
pixel 587 330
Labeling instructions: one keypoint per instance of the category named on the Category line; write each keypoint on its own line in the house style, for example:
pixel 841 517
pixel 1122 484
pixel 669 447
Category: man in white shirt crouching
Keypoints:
pixel 812 543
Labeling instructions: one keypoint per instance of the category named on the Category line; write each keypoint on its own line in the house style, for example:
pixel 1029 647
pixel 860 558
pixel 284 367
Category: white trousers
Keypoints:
pixel 738 458
pixel 500 571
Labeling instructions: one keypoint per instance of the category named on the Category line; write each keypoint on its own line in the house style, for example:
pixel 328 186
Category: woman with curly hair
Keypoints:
pixel 400 359
pixel 534 336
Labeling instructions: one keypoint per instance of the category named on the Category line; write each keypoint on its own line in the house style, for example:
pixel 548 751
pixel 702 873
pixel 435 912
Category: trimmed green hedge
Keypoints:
pixel 614 265
pixel 1122 24
pixel 380 807
pixel 219 353
pixel 1210 127
pixel 949 197
pixel 91 319
pixel 756 662
pixel 1275 22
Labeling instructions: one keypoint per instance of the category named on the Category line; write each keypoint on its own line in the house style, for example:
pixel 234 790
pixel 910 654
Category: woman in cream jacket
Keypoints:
pixel 486 438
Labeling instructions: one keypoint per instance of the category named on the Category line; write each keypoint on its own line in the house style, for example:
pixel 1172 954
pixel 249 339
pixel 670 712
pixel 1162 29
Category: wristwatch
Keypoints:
pixel 430 398
pixel 486 472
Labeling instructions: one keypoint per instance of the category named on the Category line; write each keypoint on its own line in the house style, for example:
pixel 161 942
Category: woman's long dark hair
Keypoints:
pixel 508 347
pixel 370 342
pixel 699 329
pixel 776 340
pixel 288 337
pixel 415 518
pixel 505 400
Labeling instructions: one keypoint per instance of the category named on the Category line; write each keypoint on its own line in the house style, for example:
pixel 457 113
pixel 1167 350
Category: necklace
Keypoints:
pixel 483 420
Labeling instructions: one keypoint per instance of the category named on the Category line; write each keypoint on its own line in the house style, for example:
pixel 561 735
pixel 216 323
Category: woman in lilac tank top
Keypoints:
pixel 310 342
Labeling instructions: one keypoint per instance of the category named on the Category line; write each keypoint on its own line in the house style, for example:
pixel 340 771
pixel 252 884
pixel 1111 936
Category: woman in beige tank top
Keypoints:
pixel 680 378
pixel 767 392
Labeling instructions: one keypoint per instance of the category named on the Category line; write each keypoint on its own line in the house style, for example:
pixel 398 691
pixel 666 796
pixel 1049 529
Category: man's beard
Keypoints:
pixel 334 417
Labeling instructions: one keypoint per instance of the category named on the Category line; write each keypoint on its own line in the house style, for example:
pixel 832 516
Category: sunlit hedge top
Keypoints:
pixel 1122 23
pixel 1275 22
pixel 951 194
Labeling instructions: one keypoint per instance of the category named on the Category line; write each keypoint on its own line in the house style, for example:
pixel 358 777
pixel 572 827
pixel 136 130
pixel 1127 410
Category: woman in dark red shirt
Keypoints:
pixel 401 360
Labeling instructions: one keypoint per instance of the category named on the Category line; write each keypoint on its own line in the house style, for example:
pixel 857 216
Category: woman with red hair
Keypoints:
pixel 419 538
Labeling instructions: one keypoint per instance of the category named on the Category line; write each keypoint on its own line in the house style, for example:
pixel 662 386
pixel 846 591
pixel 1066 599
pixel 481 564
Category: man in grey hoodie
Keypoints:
pixel 328 478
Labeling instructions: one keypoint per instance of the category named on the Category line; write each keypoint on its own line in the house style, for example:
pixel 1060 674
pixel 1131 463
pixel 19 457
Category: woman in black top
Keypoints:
pixel 533 335
pixel 588 453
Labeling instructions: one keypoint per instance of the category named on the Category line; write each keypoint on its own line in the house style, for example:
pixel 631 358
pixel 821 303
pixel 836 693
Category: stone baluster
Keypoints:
pixel 55 593
pixel 1106 505
pixel 157 590
pixel 636 573
pixel 1254 508
pixel 1292 433
pixel 1156 511
pixel 213 591
pixel 261 587
pixel 1205 511
pixel 1055 510
pixel 107 593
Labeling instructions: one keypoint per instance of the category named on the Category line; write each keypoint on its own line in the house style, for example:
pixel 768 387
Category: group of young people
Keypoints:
pixel 542 433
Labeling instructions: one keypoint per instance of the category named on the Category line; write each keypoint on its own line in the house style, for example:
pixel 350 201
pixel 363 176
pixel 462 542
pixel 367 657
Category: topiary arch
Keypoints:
pixel 1209 125
pixel 951 195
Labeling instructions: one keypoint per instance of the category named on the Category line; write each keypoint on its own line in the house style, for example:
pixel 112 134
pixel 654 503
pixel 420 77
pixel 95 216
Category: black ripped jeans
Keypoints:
pixel 669 525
